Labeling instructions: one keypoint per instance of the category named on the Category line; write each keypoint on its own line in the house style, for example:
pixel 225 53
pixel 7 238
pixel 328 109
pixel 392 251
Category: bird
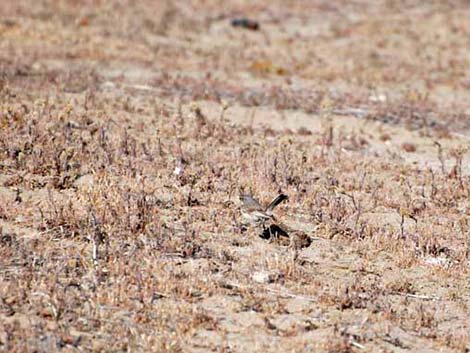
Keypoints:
pixel 254 214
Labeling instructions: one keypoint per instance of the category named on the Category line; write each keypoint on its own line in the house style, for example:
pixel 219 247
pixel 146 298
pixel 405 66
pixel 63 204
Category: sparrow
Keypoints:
pixel 255 214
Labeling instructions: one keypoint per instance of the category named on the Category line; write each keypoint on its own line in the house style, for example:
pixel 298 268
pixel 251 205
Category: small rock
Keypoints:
pixel 265 277
pixel 245 23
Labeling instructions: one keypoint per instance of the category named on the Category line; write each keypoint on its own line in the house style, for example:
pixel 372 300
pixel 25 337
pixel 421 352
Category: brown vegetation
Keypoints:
pixel 128 131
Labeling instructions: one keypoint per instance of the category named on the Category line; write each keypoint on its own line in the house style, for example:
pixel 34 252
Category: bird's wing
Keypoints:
pixel 250 203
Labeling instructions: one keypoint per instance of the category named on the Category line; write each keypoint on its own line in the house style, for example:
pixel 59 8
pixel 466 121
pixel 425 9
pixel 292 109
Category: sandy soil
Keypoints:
pixel 128 130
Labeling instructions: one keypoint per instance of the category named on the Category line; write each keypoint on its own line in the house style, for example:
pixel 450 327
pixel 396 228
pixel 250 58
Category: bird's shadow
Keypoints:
pixel 273 232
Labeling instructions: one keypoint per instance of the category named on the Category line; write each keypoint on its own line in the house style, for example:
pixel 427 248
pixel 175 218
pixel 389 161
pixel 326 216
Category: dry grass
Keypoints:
pixel 128 132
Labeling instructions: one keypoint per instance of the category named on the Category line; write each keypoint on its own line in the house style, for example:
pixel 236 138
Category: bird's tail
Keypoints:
pixel 276 202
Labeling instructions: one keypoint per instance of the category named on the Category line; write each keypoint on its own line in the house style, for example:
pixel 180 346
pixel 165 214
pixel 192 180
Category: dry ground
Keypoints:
pixel 128 130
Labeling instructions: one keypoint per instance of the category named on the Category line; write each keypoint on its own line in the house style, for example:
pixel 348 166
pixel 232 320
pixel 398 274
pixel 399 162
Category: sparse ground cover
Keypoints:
pixel 128 130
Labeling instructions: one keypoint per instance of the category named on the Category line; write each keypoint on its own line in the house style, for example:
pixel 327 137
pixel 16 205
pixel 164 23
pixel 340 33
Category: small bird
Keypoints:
pixel 255 214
